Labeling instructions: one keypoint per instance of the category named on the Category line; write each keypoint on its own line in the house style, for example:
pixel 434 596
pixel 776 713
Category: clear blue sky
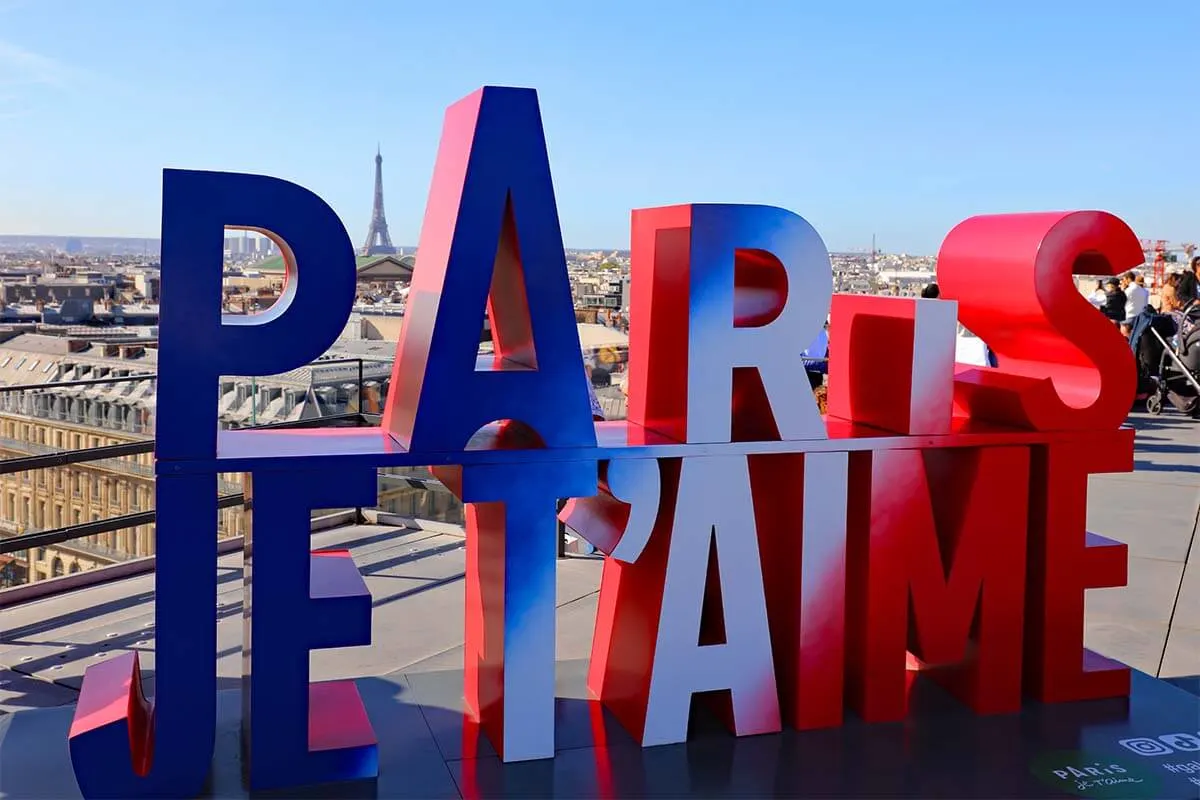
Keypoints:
pixel 865 117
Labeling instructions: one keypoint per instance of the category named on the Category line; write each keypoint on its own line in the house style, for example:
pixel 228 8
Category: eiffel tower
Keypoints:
pixel 378 240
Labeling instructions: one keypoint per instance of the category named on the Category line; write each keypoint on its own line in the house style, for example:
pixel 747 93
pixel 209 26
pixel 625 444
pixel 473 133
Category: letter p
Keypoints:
pixel 197 343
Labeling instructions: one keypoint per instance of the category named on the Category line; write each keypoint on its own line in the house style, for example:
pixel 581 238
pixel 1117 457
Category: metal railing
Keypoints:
pixel 85 529
pixel 26 391
pixel 27 541
pixel 409 493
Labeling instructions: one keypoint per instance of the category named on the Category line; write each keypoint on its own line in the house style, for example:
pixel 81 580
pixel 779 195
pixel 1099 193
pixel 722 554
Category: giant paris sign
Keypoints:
pixel 798 565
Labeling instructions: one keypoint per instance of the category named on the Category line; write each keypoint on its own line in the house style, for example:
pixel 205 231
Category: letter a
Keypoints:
pixel 648 630
pixel 490 227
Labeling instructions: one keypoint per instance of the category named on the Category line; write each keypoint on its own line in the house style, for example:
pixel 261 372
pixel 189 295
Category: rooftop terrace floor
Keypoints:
pixel 416 578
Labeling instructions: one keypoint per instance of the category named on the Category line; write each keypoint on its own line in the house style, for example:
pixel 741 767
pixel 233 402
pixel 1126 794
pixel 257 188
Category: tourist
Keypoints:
pixel 1136 298
pixel 816 358
pixel 931 292
pixel 1166 297
pixel 1186 307
pixel 1097 296
pixel 597 409
pixel 1114 301
pixel 1196 273
pixel 1180 391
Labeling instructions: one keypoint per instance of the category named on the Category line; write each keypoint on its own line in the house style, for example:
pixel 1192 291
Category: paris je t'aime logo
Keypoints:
pixel 1095 775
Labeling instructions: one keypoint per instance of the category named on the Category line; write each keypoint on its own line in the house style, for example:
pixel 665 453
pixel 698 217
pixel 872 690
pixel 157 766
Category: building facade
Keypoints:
pixel 57 497
pixel 44 416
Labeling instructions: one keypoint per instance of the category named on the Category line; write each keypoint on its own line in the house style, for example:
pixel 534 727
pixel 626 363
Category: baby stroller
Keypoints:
pixel 1166 372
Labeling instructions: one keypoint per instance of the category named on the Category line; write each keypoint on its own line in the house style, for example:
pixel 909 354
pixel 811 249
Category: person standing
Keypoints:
pixel 1136 298
pixel 816 358
pixel 1166 297
pixel 1114 301
pixel 597 409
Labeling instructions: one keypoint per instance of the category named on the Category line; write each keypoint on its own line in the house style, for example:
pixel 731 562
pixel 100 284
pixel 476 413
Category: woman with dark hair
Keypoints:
pixel 1186 344
pixel 931 292
pixel 1186 311
pixel 1114 301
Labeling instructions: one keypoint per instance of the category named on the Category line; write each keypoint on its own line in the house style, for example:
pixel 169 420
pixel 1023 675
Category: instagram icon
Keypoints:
pixel 1145 746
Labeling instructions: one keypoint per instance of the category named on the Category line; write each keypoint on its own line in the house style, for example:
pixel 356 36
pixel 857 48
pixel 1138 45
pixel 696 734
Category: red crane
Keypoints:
pixel 1158 249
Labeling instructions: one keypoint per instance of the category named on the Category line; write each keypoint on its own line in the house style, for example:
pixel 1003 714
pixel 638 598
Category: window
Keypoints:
pixel 112 492
pixel 41 554
pixel 33 366
pixel 77 516
pixel 19 363
pixel 74 567
pixel 5 362
pixel 49 367
pixel 56 568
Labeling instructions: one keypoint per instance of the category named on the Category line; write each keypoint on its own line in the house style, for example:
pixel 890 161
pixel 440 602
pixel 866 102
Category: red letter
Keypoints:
pixel 1062 366
pixel 957 557
pixel 911 390
pixel 1064 560
pixel 727 296
pixel 800 506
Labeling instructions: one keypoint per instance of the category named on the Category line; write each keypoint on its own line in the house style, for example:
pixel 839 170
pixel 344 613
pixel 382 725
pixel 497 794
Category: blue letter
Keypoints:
pixel 490 222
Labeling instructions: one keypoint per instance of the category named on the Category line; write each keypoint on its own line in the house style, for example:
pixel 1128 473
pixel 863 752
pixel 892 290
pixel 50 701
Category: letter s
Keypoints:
pixel 1062 366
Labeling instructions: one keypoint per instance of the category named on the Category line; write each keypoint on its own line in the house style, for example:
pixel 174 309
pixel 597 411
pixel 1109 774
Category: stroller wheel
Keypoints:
pixel 1154 404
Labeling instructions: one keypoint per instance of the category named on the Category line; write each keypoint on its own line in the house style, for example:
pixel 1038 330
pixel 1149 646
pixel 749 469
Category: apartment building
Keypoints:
pixel 56 497
pixel 44 417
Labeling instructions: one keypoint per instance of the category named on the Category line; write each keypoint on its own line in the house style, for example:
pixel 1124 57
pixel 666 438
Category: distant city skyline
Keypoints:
pixel 863 117
pixel 404 248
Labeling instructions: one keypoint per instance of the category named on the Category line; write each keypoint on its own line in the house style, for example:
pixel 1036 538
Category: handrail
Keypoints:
pixel 33 387
pixel 92 454
pixel 84 529
pixel 141 376
pixel 64 457
pixel 61 458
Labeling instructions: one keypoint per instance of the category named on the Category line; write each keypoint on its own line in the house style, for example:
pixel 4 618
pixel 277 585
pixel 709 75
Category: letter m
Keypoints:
pixel 936 576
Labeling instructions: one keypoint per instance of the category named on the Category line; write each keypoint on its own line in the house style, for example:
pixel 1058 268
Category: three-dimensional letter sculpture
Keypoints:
pixel 786 564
